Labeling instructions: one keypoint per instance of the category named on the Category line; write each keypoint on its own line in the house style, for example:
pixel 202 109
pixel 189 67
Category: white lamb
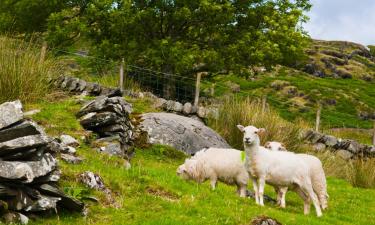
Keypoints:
pixel 277 168
pixel 317 175
pixel 215 164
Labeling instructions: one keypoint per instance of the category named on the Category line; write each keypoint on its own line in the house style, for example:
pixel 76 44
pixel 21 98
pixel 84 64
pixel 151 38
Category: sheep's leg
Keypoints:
pixel 261 183
pixel 278 195
pixel 306 201
pixel 256 192
pixel 282 192
pixel 213 183
pixel 242 190
pixel 309 190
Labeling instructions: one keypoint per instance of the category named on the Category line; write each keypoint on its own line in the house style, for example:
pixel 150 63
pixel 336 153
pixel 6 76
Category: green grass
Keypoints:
pixel 151 193
pixel 352 96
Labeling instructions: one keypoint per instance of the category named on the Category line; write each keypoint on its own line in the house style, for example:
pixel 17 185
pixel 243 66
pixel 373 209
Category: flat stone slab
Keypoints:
pixel 10 113
pixel 22 143
pixel 27 171
pixel 183 133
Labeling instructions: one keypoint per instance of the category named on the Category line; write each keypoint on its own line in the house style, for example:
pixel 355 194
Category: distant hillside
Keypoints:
pixel 339 75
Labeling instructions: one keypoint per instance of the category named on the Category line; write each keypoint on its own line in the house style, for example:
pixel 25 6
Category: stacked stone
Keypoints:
pixel 28 169
pixel 344 147
pixel 186 109
pixel 76 85
pixel 109 118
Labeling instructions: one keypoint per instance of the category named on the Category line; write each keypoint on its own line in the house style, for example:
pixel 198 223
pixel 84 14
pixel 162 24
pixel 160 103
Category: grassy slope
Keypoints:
pixel 151 193
pixel 352 95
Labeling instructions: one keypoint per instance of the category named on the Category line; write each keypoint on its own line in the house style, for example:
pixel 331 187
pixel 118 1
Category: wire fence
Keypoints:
pixel 183 88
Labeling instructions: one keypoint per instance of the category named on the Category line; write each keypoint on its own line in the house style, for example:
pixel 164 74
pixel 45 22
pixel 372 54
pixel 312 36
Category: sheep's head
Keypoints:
pixel 275 146
pixel 250 134
pixel 190 170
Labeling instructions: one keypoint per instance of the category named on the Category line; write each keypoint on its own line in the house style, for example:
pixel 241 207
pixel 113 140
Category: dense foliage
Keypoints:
pixel 185 36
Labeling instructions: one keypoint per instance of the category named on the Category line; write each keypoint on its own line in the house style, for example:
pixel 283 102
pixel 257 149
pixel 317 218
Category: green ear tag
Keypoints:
pixel 243 156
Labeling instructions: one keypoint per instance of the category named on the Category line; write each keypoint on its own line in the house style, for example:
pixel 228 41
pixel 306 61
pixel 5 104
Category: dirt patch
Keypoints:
pixel 161 193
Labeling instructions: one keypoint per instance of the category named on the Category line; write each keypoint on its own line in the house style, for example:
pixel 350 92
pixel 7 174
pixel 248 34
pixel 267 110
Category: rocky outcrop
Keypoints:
pixel 79 86
pixel 344 147
pixel 182 133
pixel 28 165
pixel 109 117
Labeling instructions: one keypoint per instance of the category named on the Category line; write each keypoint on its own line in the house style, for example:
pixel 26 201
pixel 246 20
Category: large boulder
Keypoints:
pixel 183 133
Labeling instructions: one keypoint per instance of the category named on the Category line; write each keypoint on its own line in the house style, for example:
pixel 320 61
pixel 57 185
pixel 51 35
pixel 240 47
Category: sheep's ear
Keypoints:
pixel 241 128
pixel 261 131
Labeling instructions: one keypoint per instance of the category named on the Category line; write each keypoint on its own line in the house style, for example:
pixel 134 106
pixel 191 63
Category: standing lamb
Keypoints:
pixel 317 176
pixel 215 164
pixel 277 168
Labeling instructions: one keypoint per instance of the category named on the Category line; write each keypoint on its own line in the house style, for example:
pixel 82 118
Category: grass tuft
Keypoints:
pixel 22 75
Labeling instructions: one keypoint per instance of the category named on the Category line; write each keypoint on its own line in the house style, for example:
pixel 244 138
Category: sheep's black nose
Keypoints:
pixel 247 139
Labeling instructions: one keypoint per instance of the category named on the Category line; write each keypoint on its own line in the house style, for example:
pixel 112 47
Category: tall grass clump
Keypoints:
pixel 22 75
pixel 358 172
pixel 249 112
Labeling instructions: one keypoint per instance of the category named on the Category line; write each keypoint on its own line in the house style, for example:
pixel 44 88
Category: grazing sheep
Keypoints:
pixel 317 175
pixel 277 168
pixel 215 164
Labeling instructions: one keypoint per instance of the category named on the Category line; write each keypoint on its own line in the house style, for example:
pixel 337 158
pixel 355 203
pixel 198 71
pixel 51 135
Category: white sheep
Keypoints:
pixel 317 175
pixel 215 164
pixel 277 168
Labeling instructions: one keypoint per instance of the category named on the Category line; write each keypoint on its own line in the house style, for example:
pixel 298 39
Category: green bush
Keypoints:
pixel 22 75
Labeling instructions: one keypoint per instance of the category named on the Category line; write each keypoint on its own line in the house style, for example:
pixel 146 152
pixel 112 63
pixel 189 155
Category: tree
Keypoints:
pixel 27 16
pixel 174 36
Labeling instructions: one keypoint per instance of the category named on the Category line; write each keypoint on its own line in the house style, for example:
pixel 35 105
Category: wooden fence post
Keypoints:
pixel 43 52
pixel 121 84
pixel 373 135
pixel 317 123
pixel 264 103
pixel 197 89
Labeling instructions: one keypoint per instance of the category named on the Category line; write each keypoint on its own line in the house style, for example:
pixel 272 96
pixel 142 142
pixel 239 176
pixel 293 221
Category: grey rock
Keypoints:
pixel 177 107
pixel 94 120
pixel 53 176
pixel 104 104
pixel 15 218
pixel 169 105
pixel 43 204
pixel 22 143
pixel 319 147
pixel 182 133
pixel 27 171
pixel 344 154
pixel 68 140
pixel 92 180
pixel 329 140
pixel 112 149
pixel 187 108
pixel 22 129
pixel 81 86
pixel 65 202
pixel 10 113
pixel 71 159
pixel 264 220
pixel 159 103
pixel 69 150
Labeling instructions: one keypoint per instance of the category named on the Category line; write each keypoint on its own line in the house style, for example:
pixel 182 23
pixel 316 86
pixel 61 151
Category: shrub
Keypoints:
pixel 249 112
pixel 22 75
